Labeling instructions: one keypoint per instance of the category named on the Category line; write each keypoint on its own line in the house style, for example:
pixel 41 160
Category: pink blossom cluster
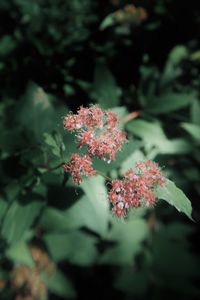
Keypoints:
pixel 136 188
pixel 97 130
pixel 79 166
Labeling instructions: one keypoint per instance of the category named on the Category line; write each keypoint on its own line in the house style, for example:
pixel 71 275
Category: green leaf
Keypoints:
pixel 171 255
pixel 195 112
pixel 18 220
pixel 129 236
pixel 3 207
pixel 107 22
pixel 36 113
pixel 20 253
pixel 170 102
pixel 106 91
pixel 96 193
pixel 152 134
pixel 177 54
pixel 56 145
pixel 7 45
pixel 175 146
pixel 132 282
pixel 131 160
pixel 195 56
pixel 193 130
pixel 76 247
pixel 58 284
pixel 68 89
pixel 174 196
pixel 82 213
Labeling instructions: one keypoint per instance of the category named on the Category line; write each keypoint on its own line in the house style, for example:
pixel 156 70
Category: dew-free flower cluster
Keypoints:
pixel 136 188
pixel 98 133
pixel 96 130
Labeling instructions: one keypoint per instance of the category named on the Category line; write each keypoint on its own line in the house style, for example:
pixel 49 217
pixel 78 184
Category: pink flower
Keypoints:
pixel 85 137
pixel 119 212
pixel 136 188
pixel 72 123
pixel 107 144
pixel 91 117
pixel 111 119
pixel 96 129
pixel 79 166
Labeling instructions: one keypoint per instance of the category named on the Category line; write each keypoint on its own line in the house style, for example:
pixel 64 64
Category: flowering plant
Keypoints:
pixel 97 130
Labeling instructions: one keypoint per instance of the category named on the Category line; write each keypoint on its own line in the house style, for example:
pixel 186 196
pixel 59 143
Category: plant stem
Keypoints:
pixel 102 174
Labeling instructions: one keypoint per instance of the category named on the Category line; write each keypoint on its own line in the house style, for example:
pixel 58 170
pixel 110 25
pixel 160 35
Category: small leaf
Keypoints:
pixel 20 253
pixel 177 54
pixel 106 91
pixel 49 140
pixel 7 45
pixel 195 112
pixel 36 113
pixel 107 22
pixel 174 196
pixel 193 130
pixel 58 284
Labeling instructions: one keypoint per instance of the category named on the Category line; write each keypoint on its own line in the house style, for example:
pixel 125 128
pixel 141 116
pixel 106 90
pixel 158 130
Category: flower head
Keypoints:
pixel 136 188
pixel 97 130
pixel 79 166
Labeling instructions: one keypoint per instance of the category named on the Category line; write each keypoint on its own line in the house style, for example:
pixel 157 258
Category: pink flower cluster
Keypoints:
pixel 96 130
pixel 136 188
pixel 79 166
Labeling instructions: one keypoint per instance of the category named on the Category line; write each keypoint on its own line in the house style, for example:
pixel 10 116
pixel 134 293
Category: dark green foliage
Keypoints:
pixel 54 57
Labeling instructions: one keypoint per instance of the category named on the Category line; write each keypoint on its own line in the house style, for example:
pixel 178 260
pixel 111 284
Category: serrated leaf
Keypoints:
pixel 174 196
